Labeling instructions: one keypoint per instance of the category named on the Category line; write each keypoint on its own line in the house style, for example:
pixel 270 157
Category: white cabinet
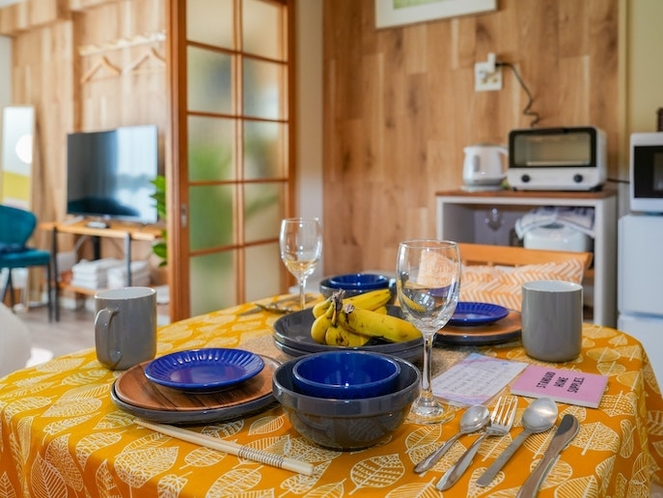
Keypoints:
pixel 490 217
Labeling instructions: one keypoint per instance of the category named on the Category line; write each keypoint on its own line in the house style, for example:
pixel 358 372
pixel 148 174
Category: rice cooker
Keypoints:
pixel 557 237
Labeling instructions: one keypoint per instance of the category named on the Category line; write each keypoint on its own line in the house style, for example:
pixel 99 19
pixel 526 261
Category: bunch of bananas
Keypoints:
pixel 353 321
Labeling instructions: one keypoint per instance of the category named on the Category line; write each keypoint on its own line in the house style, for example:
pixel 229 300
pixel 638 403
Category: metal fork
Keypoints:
pixel 501 421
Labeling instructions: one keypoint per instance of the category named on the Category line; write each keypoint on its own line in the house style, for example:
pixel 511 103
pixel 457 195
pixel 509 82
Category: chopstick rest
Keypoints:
pixel 231 448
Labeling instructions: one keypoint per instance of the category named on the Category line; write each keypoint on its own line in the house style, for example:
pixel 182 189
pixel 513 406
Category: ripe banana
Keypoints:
pixel 370 323
pixel 370 300
pixel 321 324
pixel 320 308
pixel 338 335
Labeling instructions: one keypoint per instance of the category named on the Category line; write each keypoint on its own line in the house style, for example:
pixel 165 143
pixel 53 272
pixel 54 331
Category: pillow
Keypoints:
pixel 501 285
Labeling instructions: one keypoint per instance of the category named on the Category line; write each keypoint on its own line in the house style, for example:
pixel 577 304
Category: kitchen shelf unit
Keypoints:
pixel 128 232
pixel 490 217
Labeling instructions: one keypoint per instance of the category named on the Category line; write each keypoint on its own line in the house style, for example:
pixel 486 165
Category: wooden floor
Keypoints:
pixel 74 331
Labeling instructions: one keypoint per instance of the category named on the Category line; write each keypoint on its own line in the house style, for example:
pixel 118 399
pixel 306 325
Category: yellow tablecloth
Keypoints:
pixel 61 435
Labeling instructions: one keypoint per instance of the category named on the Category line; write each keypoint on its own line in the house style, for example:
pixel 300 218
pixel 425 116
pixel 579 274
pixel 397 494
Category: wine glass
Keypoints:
pixel 300 241
pixel 428 283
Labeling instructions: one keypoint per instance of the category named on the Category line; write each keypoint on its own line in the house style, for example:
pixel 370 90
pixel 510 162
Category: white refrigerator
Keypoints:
pixel 640 283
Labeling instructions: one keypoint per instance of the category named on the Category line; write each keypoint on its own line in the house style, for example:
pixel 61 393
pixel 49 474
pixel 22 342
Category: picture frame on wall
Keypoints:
pixel 389 13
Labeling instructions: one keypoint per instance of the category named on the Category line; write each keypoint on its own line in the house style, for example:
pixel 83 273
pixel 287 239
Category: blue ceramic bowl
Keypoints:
pixel 346 424
pixel 359 281
pixel 346 374
pixel 356 283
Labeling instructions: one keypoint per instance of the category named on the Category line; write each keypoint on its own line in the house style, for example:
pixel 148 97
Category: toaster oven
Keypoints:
pixel 572 158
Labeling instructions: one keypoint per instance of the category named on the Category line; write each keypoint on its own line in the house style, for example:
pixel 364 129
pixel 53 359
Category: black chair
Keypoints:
pixel 16 228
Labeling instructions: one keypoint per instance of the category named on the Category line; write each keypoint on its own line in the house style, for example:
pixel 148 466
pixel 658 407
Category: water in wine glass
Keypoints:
pixel 428 283
pixel 300 241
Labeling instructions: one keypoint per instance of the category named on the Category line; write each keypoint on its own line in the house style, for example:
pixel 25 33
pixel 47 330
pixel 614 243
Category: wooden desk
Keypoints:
pixel 62 435
pixel 126 231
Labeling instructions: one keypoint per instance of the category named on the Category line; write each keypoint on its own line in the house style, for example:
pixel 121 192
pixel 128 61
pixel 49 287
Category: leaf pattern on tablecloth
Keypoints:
pixel 114 420
pixel 24 404
pixel 58 426
pixel 610 368
pixel 72 407
pixel 224 430
pixel 93 442
pixel 19 442
pixel 28 390
pixel 138 466
pixel 105 482
pixel 639 477
pixel 415 490
pixel 560 472
pixel 45 480
pixel 85 377
pixel 57 454
pixel 493 446
pixel 579 412
pixel 196 343
pixel 202 457
pixel 628 438
pixel 61 364
pixel 605 469
pixel 329 490
pixel 377 472
pixel 650 378
pixel 171 486
pixel 620 404
pixel 234 482
pixel 603 354
pixel 587 487
pixel 598 332
pixel 300 483
pixel 6 488
pixel 655 422
pixel 301 449
pixel 279 445
pixel 596 436
pixel 422 441
pixel 264 425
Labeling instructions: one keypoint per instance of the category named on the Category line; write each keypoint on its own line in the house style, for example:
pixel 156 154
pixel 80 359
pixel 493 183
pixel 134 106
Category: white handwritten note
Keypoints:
pixel 475 379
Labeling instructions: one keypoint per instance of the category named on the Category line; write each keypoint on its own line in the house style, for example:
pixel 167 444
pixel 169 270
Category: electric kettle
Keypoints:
pixel 484 165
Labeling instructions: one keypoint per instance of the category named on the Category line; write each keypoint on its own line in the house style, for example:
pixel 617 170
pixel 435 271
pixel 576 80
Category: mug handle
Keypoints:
pixel 108 351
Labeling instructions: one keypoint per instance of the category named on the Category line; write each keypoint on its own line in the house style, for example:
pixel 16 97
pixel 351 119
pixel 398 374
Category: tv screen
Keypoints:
pixel 109 173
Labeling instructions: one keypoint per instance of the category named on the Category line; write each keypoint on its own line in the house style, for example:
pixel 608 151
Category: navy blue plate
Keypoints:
pixel 470 313
pixel 204 370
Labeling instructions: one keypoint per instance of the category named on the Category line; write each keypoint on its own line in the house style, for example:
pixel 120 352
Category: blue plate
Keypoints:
pixel 470 313
pixel 204 370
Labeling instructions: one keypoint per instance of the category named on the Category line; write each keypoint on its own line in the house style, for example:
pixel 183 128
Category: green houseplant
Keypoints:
pixel 160 248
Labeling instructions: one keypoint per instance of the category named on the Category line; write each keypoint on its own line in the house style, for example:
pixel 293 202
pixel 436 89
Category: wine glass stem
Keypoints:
pixel 302 292
pixel 426 389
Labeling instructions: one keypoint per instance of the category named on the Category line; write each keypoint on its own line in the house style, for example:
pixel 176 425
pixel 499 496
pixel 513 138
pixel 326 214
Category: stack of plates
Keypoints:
pixel 292 335
pixel 480 324
pixel 197 386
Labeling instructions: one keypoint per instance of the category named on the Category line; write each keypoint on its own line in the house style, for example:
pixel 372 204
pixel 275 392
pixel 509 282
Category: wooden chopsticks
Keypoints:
pixel 230 447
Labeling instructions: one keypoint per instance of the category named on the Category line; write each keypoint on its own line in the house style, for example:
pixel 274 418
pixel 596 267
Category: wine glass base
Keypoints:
pixel 436 414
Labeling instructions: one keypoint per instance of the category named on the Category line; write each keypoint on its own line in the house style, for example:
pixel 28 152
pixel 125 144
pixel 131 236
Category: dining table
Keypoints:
pixel 62 433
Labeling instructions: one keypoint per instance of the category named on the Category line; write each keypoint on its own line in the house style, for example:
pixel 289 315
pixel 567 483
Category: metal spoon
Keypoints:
pixel 539 416
pixel 475 418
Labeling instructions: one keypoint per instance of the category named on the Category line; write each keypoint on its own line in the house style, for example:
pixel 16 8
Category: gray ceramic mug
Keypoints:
pixel 125 326
pixel 552 320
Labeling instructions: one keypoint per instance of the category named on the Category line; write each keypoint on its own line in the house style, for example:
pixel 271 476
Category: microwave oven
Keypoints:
pixel 569 158
pixel 646 172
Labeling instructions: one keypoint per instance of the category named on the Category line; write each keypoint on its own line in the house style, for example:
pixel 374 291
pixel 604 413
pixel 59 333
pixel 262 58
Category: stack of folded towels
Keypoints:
pixel 140 275
pixel 93 274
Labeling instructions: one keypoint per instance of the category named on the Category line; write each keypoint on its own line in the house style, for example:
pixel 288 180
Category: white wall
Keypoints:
pixel 5 80
pixel 309 114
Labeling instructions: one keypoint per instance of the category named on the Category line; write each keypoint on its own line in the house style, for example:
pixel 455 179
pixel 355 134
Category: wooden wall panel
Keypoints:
pixel 400 107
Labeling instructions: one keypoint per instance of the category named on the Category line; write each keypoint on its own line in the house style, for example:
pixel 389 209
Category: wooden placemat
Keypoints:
pixel 504 330
pixel 134 388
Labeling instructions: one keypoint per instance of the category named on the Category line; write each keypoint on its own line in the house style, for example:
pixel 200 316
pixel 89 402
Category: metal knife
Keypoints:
pixel 566 431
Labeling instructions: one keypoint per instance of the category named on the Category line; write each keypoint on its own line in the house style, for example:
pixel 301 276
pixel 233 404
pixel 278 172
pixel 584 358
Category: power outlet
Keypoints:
pixel 487 77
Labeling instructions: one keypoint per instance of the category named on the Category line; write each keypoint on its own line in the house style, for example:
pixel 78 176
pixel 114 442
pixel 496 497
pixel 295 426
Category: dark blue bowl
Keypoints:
pixel 346 374
pixel 358 281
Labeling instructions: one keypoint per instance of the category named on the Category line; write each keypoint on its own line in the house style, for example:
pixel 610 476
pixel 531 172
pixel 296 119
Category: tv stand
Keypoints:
pixel 95 229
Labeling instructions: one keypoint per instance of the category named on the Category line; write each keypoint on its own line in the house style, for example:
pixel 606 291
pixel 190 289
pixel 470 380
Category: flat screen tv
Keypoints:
pixel 109 173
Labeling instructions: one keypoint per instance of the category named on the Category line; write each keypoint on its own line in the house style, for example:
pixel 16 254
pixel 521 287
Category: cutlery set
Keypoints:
pixel 539 416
